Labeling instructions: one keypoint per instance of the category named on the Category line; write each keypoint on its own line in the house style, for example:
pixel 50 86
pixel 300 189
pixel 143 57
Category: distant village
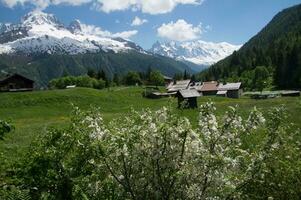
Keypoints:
pixel 231 90
pixel 187 91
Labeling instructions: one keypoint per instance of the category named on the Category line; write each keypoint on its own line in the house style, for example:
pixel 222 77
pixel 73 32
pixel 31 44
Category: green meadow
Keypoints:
pixel 32 113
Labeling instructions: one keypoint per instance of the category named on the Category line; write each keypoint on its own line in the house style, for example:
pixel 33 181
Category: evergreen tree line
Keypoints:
pixel 275 52
pixel 100 79
pixel 184 76
pixel 280 65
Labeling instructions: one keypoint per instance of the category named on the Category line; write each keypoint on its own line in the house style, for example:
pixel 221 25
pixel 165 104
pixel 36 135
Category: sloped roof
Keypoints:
pixel 167 78
pixel 180 85
pixel 12 75
pixel 195 85
pixel 229 86
pixel 4 76
pixel 189 93
pixel 209 86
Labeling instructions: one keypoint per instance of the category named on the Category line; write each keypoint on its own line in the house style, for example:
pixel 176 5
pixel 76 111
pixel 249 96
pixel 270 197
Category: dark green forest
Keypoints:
pixel 276 49
pixel 43 68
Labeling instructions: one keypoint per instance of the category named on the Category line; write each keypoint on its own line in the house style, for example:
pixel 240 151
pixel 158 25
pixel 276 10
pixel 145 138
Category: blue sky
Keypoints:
pixel 233 21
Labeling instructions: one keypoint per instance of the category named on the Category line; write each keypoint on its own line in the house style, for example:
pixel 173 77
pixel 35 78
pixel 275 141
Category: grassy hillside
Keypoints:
pixel 277 47
pixel 33 112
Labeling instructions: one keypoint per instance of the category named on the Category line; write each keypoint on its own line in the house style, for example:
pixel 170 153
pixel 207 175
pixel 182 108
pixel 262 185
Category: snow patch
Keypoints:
pixel 198 52
pixel 44 33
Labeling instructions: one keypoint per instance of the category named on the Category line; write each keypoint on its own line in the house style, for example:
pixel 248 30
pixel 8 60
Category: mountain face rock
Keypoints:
pixel 38 18
pixel 4 27
pixel 40 33
pixel 198 52
pixel 75 27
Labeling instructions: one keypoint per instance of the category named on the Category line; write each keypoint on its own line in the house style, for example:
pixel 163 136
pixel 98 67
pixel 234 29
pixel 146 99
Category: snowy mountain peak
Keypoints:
pixel 40 18
pixel 75 26
pixel 198 52
pixel 4 27
pixel 40 32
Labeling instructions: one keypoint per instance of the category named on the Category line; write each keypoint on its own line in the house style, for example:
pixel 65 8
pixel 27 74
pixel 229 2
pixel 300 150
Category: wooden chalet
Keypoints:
pixel 16 83
pixel 208 88
pixel 178 85
pixel 231 90
pixel 188 98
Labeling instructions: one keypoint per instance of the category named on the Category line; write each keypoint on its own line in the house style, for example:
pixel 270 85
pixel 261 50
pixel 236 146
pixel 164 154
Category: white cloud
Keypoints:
pixel 113 5
pixel 42 4
pixel 179 31
pixel 125 34
pixel 146 6
pixel 97 31
pixel 138 22
pixel 94 30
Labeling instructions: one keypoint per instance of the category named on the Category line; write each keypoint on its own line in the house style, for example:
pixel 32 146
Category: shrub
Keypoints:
pixel 156 78
pixel 132 78
pixel 80 81
pixel 159 155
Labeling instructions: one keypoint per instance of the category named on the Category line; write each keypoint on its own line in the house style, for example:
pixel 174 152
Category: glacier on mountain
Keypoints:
pixel 198 52
pixel 39 32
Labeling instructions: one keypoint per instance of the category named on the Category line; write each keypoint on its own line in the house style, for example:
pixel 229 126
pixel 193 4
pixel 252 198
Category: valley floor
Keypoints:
pixel 33 112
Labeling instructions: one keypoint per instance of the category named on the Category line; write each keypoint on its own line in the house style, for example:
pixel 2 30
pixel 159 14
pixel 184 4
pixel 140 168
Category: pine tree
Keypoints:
pixel 91 73
pixel 186 75
pixel 116 79
pixel 102 75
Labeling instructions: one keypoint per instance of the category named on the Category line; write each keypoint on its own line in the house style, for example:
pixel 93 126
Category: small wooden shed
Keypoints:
pixel 16 83
pixel 188 98
pixel 231 90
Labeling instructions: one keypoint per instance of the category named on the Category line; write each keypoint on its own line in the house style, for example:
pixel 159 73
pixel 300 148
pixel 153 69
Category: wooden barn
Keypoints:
pixel 231 90
pixel 15 83
pixel 188 98
pixel 208 88
pixel 178 85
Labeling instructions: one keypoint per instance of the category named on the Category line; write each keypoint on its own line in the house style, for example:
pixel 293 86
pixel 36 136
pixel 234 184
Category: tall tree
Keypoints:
pixel 116 79
pixel 132 78
pixel 186 75
pixel 156 78
pixel 261 76
pixel 102 75
pixel 92 73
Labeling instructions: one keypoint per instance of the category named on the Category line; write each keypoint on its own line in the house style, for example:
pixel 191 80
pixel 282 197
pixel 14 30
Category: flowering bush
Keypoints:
pixel 159 155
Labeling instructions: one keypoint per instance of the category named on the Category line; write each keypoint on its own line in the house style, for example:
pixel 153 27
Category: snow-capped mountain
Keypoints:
pixel 198 52
pixel 39 32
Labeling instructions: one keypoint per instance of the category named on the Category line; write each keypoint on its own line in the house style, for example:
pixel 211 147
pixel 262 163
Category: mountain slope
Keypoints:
pixel 42 48
pixel 43 68
pixel 277 46
pixel 197 52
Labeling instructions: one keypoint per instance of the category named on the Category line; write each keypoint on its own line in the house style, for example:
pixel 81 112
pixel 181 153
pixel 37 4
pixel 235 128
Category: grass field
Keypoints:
pixel 33 112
